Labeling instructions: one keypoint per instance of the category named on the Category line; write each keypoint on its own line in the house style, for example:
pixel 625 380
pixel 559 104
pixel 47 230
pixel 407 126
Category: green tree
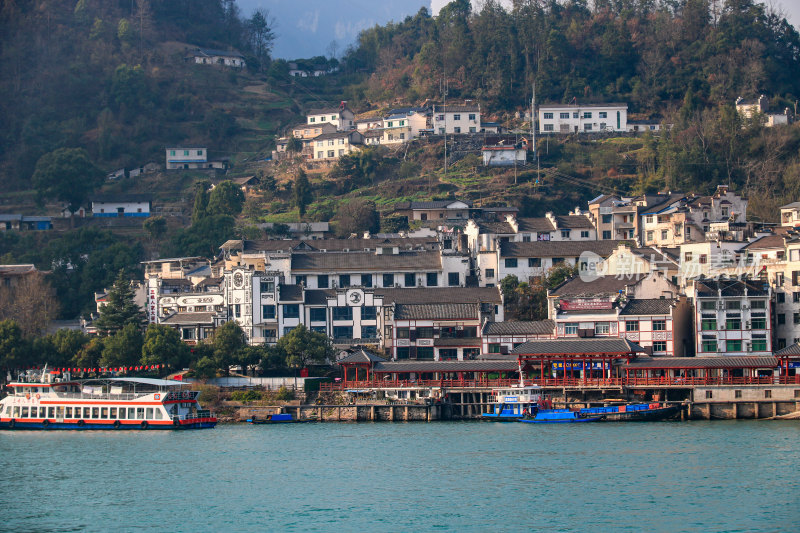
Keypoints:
pixel 129 87
pixel 125 31
pixel 156 227
pixel 219 125
pixel 200 209
pixel 13 346
pixel 89 355
pixel 294 145
pixel 356 216
pixel 229 341
pixel 262 36
pixel 66 174
pixel 163 345
pixel 302 192
pixel 227 198
pixel 120 310
pixel 67 343
pixel 302 347
pixel 123 348
pixel 204 237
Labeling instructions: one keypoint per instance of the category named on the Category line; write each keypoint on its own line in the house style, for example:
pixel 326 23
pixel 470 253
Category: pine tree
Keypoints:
pixel 302 192
pixel 120 309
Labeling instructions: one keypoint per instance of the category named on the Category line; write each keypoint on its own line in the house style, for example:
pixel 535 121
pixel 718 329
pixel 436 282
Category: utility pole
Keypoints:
pixel 444 111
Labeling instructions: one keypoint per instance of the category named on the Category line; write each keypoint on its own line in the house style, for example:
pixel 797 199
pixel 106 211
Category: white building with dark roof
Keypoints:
pixel 210 56
pixel 585 118
pixel 330 146
pixel 342 117
pixel 458 118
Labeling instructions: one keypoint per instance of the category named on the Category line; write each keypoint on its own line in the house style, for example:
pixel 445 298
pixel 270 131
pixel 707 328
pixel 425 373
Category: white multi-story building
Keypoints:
pixel 402 127
pixel 449 119
pixel 341 117
pixel 587 118
pixel 330 146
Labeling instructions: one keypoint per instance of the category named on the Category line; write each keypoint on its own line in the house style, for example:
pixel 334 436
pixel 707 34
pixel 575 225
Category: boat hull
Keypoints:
pixel 200 423
pixel 663 413
pixel 559 420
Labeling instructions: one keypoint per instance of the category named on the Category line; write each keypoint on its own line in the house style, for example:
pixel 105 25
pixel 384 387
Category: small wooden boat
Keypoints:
pixel 558 416
pixel 279 418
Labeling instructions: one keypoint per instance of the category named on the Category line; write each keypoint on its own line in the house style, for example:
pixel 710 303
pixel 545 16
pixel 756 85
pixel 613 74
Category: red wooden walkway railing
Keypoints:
pixel 561 382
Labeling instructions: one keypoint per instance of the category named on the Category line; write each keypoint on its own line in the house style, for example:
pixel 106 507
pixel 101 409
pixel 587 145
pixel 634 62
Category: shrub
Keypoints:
pixel 245 396
pixel 284 394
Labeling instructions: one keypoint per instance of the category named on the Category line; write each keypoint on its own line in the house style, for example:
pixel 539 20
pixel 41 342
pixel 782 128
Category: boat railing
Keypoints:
pixel 200 413
pixel 89 396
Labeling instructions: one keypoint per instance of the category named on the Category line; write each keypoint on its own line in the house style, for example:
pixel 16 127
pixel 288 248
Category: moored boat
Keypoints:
pixel 635 412
pixel 515 401
pixel 558 416
pixel 42 400
pixel 278 418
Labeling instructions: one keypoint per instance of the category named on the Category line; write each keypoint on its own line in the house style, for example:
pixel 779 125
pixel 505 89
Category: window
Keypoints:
pixel 606 235
pixel 571 328
pixel 708 324
pixel 659 325
pixel 424 352
pixel 471 116
pixel 606 219
pixel 563 115
pixel 601 328
pixel 733 323
pixel 320 155
pixel 388 280
pixel 548 116
pixel 410 280
pixel 703 259
pixel 369 312
pixel 587 127
pixel 664 234
pixel 511 263
pixel 587 114
pixel 709 345
pixel 312 119
pixel 268 312
pixel 343 313
pixel 585 234
pixel 796 297
pixel 342 332
pixel 759 345
pixel 452 279
pixel 759 322
pixel 602 114
pixel 402 353
pixel 548 127
pixel 425 333
pixel 575 115
pixel 269 286
pixel 301 280
pixel 660 346
pixel 781 318
pixel 708 306
pixel 186 152
pixel 797 318
pixel 291 311
pixel 199 152
pixel 456 130
pixel 366 280
pixel 432 279
pixel 709 394
pixel 557 260
pixel 341 153
pixel 767 393
pixel 632 325
pixel 737 393
pixel 403 333
pixel 534 262
pixel 172 152
pixel 317 314
pixel 733 346
pixel 456 117
pixel 344 280
pixel 322 281
pixel 565 233
pixel 331 153
pixel 602 125
pixel 734 304
pixel 369 332
pixel 187 334
pixel 758 304
pixel 687 256
pixel 489 273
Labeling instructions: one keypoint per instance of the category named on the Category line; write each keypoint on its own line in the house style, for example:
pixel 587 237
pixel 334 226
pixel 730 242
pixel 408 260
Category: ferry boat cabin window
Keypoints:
pixel 95 412
pixel 86 412
pixel 149 413
pixel 113 412
pixel 131 413
pixel 122 413
pixel 140 413
pixel 24 412
pixel 16 411
pixel 69 413
pixel 159 415
pixel 104 412
pixel 51 412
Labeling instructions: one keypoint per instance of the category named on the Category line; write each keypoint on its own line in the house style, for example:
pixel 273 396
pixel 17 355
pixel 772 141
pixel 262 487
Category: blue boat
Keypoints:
pixel 558 416
pixel 278 418
pixel 513 402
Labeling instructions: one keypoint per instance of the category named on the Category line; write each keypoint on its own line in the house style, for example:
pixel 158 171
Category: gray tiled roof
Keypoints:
pixel 730 287
pixel 575 346
pixel 496 227
pixel 290 293
pixel 319 296
pixel 445 366
pixel 449 108
pixel 121 198
pixel 416 261
pixel 766 243
pixel 190 318
pixel 535 224
pixel 557 248
pixel 457 341
pixel 440 295
pixel 273 245
pixel 361 356
pixel 601 286
pixel 574 222
pixel 704 362
pixel 436 311
pixel 792 349
pixel 648 307
pixel 539 327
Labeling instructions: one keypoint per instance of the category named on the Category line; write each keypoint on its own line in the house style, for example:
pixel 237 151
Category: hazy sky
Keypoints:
pixel 306 28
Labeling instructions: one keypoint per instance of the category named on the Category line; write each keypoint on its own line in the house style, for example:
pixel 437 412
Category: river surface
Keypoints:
pixel 449 476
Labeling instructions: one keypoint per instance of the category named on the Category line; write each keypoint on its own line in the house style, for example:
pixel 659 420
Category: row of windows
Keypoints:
pixel 532 262
pixel 711 345
pixel 87 413
pixel 330 142
pixel 586 127
pixel 427 332
pixel 322 119
pixel 186 152
pixel 457 116
pixel 710 324
pixel 346 280
pixel 601 328
pixel 331 153
pixel 319 314
pixel 711 305
pixel 575 114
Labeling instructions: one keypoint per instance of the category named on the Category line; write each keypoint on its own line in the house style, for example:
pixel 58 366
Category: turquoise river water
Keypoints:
pixel 449 476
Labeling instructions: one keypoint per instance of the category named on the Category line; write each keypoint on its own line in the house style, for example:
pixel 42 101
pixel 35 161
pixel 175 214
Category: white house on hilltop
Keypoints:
pixel 586 118
pixel 450 118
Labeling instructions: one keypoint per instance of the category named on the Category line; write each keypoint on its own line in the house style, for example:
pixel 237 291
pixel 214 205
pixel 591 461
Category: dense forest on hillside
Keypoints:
pixel 108 76
pixel 644 52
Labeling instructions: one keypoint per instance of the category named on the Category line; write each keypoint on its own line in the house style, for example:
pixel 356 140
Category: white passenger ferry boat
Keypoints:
pixel 42 400
pixel 515 401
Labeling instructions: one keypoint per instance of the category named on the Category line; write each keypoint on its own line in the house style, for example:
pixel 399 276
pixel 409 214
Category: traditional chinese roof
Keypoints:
pixel 449 311
pixel 361 356
pixel 708 288
pixel 290 293
pixel 768 242
pixel 648 307
pixel 557 248
pixel 574 222
pixel 704 362
pixel 366 261
pixel 440 295
pixel 596 286
pixel 189 318
pixel 478 365
pixel 792 349
pixel 539 327
pixel 594 346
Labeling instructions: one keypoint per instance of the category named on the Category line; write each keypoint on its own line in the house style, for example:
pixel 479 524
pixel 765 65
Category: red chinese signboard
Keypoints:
pixel 580 304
